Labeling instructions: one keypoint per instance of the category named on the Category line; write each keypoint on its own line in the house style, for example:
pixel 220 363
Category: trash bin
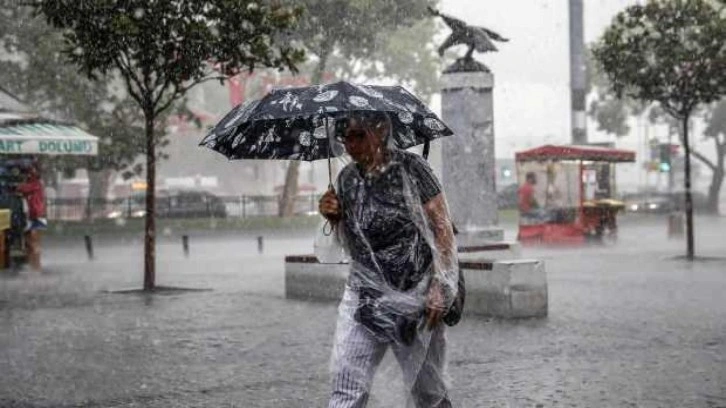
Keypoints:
pixel 676 225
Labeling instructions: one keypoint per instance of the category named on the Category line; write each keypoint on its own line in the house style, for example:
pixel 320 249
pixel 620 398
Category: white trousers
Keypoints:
pixel 357 354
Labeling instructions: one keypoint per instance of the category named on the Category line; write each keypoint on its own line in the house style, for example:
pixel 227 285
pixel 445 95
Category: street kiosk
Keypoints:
pixel 567 194
pixel 23 139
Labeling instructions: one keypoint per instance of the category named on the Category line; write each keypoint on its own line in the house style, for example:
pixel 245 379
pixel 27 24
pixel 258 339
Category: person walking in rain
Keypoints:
pixel 390 214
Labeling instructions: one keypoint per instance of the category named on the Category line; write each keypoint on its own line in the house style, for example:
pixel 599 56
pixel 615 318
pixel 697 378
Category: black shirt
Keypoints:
pixel 384 219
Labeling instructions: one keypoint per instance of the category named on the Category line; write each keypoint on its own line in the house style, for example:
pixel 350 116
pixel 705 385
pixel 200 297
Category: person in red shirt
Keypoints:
pixel 32 191
pixel 527 201
pixel 529 208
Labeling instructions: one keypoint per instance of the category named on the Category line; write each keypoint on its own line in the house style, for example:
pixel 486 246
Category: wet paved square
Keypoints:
pixel 628 326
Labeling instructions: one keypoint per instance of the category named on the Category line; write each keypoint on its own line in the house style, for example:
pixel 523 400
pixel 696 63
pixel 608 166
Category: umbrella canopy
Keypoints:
pixel 297 123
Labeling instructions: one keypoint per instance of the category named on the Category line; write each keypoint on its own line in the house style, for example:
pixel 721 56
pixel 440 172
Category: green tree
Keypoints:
pixel 609 112
pixel 612 113
pixel 359 33
pixel 407 55
pixel 163 48
pixel 35 71
pixel 670 52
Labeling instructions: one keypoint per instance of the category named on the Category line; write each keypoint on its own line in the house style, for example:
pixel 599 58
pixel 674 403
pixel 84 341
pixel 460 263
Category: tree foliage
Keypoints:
pixel 666 51
pixel 610 112
pixel 407 56
pixel 356 29
pixel 162 48
pixel 671 52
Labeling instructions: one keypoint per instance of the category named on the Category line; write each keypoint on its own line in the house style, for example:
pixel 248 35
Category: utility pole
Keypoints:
pixel 670 152
pixel 577 72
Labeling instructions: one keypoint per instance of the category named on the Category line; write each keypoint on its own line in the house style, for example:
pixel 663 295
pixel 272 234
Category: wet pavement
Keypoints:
pixel 629 326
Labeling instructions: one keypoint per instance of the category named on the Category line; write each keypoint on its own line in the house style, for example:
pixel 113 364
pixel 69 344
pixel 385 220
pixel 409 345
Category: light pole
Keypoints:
pixel 577 72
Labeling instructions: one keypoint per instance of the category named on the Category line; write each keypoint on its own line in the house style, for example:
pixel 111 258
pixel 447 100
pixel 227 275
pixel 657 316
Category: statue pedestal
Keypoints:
pixel 468 161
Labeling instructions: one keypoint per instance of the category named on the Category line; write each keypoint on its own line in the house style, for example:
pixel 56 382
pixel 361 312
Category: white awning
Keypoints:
pixel 46 139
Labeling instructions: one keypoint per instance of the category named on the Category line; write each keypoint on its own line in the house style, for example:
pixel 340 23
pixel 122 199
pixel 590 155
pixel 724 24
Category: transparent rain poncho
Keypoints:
pixel 398 236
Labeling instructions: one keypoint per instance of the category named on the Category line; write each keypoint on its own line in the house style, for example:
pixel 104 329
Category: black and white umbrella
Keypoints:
pixel 299 123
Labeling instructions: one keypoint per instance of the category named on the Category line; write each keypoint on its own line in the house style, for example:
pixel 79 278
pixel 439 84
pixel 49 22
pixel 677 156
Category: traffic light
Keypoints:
pixel 665 157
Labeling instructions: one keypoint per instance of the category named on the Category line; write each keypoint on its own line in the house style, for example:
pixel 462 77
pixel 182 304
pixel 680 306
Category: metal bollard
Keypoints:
pixel 260 245
pixel 89 247
pixel 185 245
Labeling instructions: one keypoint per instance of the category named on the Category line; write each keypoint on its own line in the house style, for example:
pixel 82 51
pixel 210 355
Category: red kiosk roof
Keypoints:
pixel 591 153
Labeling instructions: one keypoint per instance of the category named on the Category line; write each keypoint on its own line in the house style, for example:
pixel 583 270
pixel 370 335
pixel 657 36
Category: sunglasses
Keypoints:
pixel 351 134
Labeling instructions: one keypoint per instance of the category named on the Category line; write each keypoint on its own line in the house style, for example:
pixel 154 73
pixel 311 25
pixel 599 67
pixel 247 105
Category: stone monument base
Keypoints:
pixel 466 65
pixel 506 289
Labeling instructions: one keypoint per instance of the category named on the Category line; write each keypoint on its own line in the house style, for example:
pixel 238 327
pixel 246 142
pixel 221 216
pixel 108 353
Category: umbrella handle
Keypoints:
pixel 330 153
pixel 330 172
pixel 327 228
pixel 328 225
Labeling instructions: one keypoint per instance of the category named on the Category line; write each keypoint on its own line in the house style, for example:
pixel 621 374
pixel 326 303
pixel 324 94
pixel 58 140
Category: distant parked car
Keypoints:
pixel 191 204
pixel 648 203
pixel 179 204
pixel 133 206
pixel 662 203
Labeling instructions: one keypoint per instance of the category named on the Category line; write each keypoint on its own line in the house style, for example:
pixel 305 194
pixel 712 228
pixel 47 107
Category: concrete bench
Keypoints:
pixel 506 289
pixel 306 278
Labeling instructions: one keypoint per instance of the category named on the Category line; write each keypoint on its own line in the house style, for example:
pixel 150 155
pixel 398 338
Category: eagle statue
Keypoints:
pixel 478 39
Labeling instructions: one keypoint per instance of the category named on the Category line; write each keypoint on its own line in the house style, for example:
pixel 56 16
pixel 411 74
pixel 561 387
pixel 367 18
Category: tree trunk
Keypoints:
pixel 150 230
pixel 98 185
pixel 714 190
pixel 690 251
pixel 290 191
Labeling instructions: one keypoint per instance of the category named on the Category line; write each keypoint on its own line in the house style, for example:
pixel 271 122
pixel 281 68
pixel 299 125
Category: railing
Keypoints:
pixel 242 206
